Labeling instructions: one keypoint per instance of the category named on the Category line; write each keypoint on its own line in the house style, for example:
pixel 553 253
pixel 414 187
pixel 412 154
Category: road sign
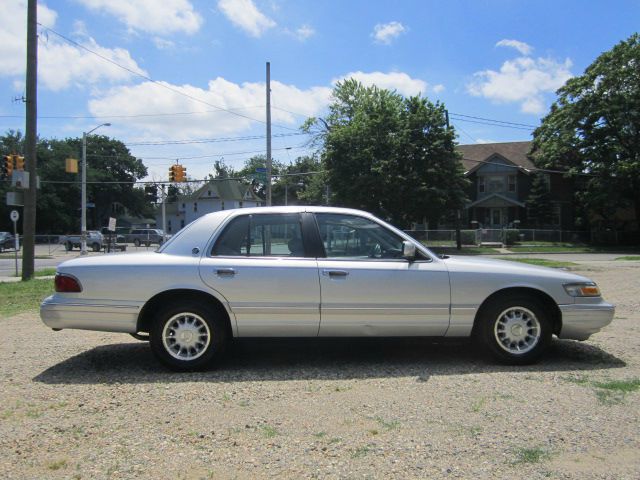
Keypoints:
pixel 14 215
pixel 112 224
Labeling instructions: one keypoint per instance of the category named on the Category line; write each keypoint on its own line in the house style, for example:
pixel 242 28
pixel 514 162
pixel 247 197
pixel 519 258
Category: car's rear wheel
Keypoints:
pixel 136 242
pixel 68 246
pixel 188 337
pixel 95 247
pixel 515 330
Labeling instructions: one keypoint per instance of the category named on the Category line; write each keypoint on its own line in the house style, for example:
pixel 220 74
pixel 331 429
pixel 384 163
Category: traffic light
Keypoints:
pixel 180 173
pixel 172 173
pixel 151 193
pixel 7 166
pixel 19 161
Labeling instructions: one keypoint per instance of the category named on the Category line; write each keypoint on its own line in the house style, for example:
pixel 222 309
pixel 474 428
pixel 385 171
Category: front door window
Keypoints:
pixel 496 216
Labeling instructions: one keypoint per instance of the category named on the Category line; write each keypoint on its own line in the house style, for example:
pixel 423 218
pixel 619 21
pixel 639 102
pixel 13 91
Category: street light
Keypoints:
pixel 83 218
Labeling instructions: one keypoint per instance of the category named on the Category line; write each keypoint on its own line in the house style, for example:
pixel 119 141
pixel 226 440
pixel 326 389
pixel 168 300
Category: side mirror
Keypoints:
pixel 408 250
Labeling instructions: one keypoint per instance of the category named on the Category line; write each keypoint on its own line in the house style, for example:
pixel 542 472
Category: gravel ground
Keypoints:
pixel 89 405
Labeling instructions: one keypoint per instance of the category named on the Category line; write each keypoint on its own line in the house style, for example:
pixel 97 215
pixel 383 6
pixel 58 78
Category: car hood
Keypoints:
pixel 460 264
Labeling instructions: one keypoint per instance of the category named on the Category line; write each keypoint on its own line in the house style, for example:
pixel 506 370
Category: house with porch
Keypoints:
pixel 501 175
pixel 217 194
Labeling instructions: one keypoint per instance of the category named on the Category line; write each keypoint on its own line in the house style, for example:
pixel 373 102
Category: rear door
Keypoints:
pixel 260 263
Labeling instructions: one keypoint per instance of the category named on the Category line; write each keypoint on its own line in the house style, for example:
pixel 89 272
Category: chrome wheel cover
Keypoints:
pixel 517 330
pixel 186 336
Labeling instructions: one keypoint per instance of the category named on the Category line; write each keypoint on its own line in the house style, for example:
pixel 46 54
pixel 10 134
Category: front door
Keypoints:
pixel 367 288
pixel 258 264
pixel 496 218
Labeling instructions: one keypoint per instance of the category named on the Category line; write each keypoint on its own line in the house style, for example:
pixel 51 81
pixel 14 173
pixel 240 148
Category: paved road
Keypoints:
pixel 49 256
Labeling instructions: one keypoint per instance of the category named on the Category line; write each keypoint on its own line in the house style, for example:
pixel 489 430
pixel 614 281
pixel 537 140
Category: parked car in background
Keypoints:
pixel 317 272
pixel 94 241
pixel 145 236
pixel 7 241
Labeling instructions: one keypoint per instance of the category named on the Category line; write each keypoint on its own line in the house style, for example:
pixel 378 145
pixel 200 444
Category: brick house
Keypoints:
pixel 501 176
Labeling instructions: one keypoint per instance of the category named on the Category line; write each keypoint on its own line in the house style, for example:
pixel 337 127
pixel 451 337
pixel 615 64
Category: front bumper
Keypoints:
pixel 104 316
pixel 580 321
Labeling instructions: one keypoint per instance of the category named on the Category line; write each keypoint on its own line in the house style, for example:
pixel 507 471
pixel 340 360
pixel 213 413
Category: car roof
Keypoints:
pixel 288 209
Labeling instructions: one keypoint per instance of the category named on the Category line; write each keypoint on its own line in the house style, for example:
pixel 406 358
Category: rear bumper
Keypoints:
pixel 580 321
pixel 60 313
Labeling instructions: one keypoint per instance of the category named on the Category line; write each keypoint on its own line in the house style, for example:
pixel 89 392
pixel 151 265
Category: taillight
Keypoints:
pixel 67 283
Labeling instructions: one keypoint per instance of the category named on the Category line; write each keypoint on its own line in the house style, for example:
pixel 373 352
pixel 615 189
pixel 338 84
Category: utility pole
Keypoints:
pixel 31 129
pixel 458 213
pixel 268 134
pixel 164 215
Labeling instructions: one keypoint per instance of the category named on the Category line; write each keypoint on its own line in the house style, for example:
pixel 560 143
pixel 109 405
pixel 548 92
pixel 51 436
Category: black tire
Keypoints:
pixel 168 352
pixel 68 246
pixel 515 330
pixel 136 242
pixel 147 244
pixel 95 247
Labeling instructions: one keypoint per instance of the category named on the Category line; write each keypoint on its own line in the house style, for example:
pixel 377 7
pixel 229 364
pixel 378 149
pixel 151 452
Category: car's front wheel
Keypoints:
pixel 188 337
pixel 515 330
pixel 136 242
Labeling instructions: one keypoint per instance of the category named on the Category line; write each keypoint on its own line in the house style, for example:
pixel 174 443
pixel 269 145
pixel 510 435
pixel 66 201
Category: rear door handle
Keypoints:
pixel 226 272
pixel 335 273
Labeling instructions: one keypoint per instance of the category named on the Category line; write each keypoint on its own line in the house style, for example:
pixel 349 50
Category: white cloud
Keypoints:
pixel 151 16
pixel 399 81
pixel 304 32
pixel 484 140
pixel 163 43
pixel 244 14
pixel 291 105
pixel 522 47
pixel 13 47
pixel 242 98
pixel 60 64
pixel 386 32
pixel 523 80
pixel 439 88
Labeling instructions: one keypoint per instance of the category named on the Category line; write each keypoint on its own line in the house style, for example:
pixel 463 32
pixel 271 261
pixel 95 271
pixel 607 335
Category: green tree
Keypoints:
pixel 538 202
pixel 390 155
pixel 58 202
pixel 593 132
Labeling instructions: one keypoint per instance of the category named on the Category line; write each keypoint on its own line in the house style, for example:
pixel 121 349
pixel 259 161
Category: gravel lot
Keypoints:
pixel 93 405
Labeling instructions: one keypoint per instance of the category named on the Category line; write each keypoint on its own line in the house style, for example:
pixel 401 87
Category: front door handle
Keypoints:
pixel 335 273
pixel 226 272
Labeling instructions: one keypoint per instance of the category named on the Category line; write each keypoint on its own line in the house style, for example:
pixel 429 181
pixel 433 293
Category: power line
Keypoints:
pixel 212 140
pixel 163 85
pixel 137 115
pixel 493 120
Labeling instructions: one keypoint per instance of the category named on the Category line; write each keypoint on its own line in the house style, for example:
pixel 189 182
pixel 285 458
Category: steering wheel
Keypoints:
pixel 376 251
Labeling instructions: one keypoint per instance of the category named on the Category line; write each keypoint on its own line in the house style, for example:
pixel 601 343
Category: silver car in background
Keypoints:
pixel 317 272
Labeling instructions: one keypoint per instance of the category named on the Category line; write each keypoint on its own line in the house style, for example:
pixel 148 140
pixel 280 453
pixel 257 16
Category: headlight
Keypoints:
pixel 587 289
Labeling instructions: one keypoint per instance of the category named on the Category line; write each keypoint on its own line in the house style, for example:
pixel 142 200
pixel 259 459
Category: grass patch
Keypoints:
pixel 630 258
pixel 57 465
pixel 19 297
pixel 46 272
pixel 388 424
pixel 542 262
pixel 478 404
pixel 622 386
pixel 531 455
pixel 463 251
pixel 361 451
pixel 11 256
pixel 268 431
pixel 551 249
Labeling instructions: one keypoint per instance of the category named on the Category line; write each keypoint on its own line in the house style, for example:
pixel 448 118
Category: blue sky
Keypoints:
pixel 494 59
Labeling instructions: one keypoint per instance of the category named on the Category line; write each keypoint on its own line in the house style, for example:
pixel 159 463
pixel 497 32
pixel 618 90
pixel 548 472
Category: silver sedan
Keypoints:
pixel 316 272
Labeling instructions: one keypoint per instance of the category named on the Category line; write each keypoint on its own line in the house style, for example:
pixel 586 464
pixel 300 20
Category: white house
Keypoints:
pixel 218 194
